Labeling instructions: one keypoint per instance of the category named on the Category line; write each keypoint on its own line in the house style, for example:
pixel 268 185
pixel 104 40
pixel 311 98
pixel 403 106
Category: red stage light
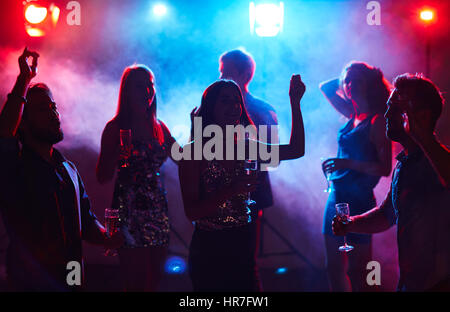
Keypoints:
pixel 35 14
pixel 35 32
pixel 40 17
pixel 427 15
pixel 55 13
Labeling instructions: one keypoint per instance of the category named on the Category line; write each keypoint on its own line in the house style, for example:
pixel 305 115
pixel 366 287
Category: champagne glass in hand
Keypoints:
pixel 343 214
pixel 125 146
pixel 112 226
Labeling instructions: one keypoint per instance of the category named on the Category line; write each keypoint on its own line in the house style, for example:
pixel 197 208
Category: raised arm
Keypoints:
pixel 11 113
pixel 439 157
pixel 296 147
pixel 331 89
pixel 437 154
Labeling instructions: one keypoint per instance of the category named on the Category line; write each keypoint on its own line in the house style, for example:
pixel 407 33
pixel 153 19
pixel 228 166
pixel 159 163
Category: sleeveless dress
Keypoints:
pixel 222 250
pixel 350 186
pixel 141 198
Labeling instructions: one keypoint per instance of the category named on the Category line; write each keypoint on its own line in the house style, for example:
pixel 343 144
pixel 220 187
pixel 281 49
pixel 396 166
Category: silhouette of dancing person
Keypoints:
pixel 239 66
pixel 44 204
pixel 139 193
pixel 222 251
pixel 364 155
pixel 418 201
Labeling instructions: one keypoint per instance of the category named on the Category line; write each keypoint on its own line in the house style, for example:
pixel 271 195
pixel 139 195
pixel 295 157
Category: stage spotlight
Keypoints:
pixel 175 265
pixel 55 14
pixel 426 15
pixel 266 19
pixel 35 32
pixel 159 9
pixel 35 14
pixel 40 17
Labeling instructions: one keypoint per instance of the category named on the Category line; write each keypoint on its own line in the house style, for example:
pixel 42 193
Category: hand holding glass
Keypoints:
pixel 343 214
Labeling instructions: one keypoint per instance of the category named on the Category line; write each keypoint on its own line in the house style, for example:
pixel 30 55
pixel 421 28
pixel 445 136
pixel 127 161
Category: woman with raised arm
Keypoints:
pixel 139 194
pixel 222 250
pixel 364 155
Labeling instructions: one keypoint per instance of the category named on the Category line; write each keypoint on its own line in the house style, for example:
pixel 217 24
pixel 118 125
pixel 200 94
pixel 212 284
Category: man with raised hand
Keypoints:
pixel 43 202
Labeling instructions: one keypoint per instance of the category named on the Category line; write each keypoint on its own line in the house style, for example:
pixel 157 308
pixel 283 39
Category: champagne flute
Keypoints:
pixel 250 165
pixel 343 214
pixel 125 146
pixel 112 226
pixel 327 174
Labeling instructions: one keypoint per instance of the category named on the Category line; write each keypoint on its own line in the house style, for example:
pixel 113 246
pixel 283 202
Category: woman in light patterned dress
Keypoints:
pixel 138 194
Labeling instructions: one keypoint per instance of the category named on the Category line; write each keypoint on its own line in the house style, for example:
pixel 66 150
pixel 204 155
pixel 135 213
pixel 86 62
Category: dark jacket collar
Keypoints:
pixel 29 152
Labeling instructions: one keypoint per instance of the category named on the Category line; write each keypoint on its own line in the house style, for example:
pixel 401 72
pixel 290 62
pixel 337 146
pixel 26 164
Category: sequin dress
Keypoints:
pixel 141 198
pixel 233 212
pixel 222 253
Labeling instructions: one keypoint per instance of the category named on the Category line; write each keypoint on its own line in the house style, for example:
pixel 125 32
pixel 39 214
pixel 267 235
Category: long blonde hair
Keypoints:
pixel 123 114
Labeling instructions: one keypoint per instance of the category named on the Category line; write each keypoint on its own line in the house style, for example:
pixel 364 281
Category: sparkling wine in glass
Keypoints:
pixel 125 146
pixel 112 226
pixel 343 214
pixel 250 165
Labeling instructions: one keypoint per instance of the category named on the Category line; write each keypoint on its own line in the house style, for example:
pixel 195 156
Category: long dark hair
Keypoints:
pixel 123 114
pixel 378 88
pixel 209 101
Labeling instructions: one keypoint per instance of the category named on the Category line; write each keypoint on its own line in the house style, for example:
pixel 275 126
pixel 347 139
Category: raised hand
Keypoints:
pixel 26 71
pixel 296 89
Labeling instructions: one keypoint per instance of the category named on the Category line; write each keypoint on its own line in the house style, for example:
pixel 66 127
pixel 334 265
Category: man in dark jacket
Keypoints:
pixel 43 201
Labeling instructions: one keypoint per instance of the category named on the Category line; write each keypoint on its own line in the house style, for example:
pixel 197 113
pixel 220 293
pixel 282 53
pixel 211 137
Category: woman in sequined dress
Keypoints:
pixel 222 250
pixel 138 194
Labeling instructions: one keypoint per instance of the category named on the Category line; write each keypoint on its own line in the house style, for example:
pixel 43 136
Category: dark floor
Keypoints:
pixel 105 278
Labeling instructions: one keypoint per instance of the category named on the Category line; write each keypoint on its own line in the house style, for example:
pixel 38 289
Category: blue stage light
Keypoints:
pixel 266 19
pixel 175 265
pixel 281 271
pixel 159 9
